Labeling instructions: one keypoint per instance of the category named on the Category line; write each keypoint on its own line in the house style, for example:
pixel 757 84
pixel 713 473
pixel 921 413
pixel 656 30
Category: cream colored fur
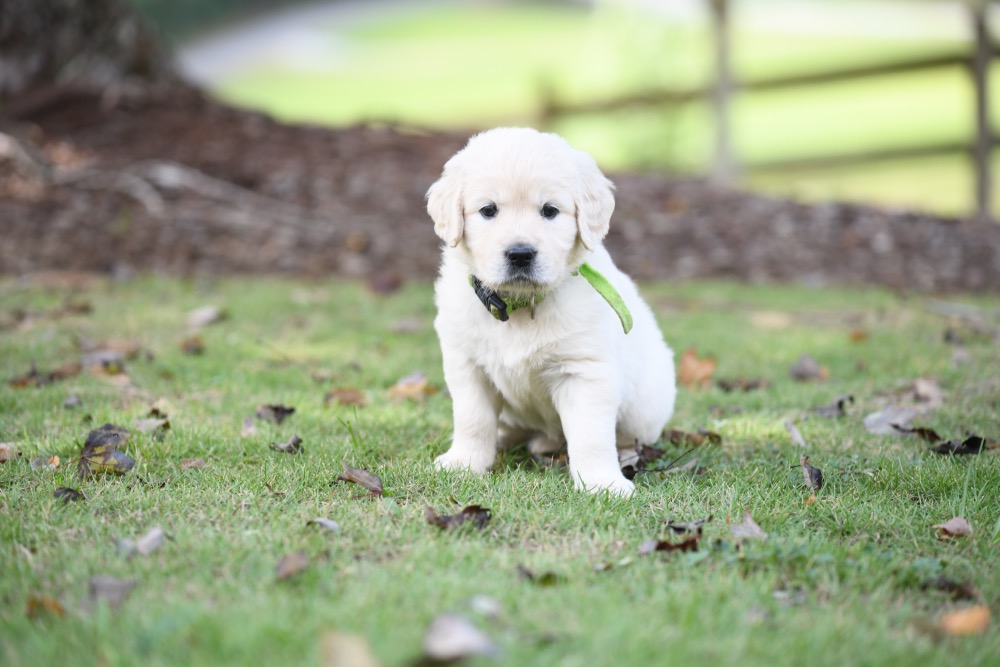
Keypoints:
pixel 570 375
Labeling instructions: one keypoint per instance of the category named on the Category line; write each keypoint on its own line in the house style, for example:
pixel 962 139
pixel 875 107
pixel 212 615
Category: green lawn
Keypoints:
pixel 481 65
pixel 840 580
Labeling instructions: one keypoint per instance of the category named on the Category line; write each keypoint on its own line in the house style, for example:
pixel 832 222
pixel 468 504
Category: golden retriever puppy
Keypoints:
pixel 544 340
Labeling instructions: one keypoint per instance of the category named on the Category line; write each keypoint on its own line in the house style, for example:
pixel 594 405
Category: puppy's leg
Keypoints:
pixel 588 412
pixel 475 407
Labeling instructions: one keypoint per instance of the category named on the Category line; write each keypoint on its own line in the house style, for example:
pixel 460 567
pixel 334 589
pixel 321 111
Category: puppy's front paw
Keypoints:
pixel 456 459
pixel 615 485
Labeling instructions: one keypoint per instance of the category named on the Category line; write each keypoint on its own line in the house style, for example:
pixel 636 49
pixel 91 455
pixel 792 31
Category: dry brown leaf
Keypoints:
pixel 813 476
pixel 110 590
pixel 100 452
pixel 807 368
pixel 35 378
pixel 291 565
pixel 39 605
pixel 957 527
pixel 972 445
pixel 748 529
pixel 967 621
pixel 689 544
pixel 795 433
pixel 743 384
pixel 67 495
pixel 8 451
pixel 249 428
pixel 362 478
pixel 339 649
pixel 413 387
pixel 292 446
pixel 452 637
pixel 197 463
pixel 693 371
pixel 50 462
pixel 204 316
pixel 193 345
pixel 345 396
pixel 274 412
pixel 838 408
pixel 477 515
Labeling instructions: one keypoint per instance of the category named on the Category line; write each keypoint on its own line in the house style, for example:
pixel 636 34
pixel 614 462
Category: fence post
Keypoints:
pixel 982 56
pixel 723 163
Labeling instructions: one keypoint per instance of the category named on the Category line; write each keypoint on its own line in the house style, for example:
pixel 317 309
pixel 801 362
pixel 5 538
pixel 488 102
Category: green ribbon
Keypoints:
pixel 500 307
pixel 610 294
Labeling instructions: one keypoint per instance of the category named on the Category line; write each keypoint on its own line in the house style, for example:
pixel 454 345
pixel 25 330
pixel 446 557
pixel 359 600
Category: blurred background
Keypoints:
pixel 856 100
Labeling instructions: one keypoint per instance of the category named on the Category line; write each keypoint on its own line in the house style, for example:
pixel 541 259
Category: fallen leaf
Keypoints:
pixel 110 590
pixel 154 427
pixel 72 402
pixel 925 434
pixel 813 476
pixel 858 335
pixel 50 462
pixel 345 396
pixel 682 528
pixel 100 452
pixel 339 649
pixel 362 478
pixel 193 345
pixel 145 545
pixel 274 412
pixel 807 369
pixel 889 421
pixel 197 463
pixel 748 529
pixel 291 565
pixel 700 437
pixel 67 495
pixel 39 605
pixel 743 384
pixel 967 621
pixel 451 637
pixel 956 590
pixel 795 433
pixel 8 451
pixel 204 316
pixel 693 371
pixel 413 387
pixel 249 428
pixel 477 515
pixel 973 444
pixel 293 446
pixel 956 527
pixel 35 378
pixel 545 579
pixel 928 392
pixel 329 524
pixel 838 408
pixel 650 546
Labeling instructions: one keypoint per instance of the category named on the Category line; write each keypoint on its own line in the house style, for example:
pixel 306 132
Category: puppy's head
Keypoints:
pixel 522 207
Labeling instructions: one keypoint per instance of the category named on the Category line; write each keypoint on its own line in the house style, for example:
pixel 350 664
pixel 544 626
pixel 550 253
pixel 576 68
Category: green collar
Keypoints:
pixel 500 308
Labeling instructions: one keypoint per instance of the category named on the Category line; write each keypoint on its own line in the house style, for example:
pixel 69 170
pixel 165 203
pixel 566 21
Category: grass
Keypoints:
pixel 837 581
pixel 439 67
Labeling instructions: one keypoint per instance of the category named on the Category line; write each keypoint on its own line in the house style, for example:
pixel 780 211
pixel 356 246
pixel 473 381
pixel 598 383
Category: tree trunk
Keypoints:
pixel 93 43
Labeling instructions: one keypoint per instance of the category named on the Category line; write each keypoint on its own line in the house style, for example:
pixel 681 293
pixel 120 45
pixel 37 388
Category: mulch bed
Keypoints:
pixel 162 178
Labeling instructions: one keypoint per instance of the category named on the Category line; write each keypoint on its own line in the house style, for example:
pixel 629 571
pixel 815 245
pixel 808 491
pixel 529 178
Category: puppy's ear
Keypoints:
pixel 444 204
pixel 595 202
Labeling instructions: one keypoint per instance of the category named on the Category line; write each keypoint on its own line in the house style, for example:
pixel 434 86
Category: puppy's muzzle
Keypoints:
pixel 520 257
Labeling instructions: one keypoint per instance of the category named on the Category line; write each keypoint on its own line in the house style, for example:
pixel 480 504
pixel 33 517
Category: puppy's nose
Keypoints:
pixel 520 255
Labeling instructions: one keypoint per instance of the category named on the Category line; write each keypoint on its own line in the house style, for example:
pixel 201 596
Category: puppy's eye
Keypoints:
pixel 488 211
pixel 549 211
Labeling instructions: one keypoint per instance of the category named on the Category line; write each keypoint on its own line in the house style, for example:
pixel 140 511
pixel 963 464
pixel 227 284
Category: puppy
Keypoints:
pixel 533 313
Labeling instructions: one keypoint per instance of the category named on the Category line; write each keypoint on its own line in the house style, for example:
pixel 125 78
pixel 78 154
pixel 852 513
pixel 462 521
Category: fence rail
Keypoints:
pixel 724 86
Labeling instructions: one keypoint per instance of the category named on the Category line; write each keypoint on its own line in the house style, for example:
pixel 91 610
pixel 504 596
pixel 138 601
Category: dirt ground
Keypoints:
pixel 161 178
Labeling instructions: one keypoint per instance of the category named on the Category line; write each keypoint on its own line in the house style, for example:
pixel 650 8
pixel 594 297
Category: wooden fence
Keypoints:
pixel 719 93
